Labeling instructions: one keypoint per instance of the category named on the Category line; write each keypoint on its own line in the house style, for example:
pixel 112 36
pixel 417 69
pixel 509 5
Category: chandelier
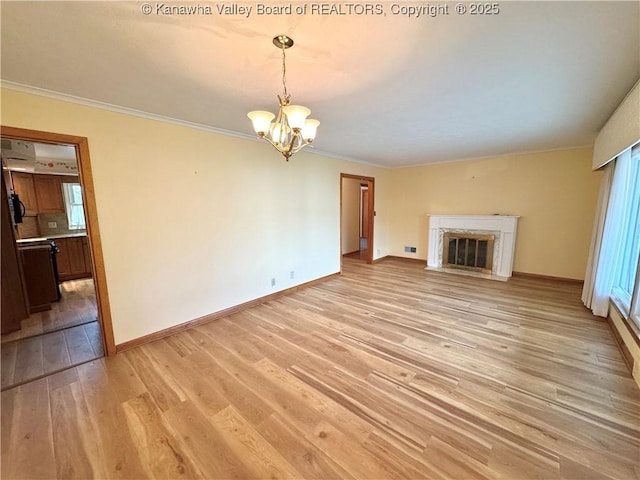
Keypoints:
pixel 291 131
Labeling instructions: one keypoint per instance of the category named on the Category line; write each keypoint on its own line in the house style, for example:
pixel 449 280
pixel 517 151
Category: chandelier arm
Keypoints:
pixel 286 154
pixel 292 143
pixel 296 144
pixel 293 146
pixel 300 147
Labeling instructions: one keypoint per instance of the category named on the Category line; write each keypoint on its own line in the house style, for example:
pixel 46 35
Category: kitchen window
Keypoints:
pixel 73 204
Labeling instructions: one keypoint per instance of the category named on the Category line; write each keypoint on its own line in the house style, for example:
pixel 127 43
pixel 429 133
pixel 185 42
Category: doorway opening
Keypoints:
pixel 356 217
pixel 73 325
pixel 364 217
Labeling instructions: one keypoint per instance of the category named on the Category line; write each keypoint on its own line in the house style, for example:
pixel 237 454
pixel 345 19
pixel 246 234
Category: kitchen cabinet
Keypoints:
pixel 76 256
pixel 87 254
pixel 24 187
pixel 72 259
pixel 49 193
pixel 62 258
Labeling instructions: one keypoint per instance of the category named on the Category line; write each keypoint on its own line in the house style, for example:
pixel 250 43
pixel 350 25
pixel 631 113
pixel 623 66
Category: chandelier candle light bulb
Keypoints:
pixel 291 131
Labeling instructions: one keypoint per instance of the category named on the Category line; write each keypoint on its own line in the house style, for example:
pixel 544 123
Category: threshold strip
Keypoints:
pixel 48 374
pixel 61 329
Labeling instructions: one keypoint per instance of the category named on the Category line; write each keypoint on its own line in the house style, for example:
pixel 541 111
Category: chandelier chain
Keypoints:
pixel 284 71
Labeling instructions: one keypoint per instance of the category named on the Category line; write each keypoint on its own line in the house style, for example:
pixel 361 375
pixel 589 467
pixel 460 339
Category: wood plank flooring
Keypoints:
pixel 389 371
pixel 50 341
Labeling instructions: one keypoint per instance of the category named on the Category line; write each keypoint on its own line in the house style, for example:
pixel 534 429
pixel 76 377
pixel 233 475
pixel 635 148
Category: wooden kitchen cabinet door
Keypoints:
pixel 24 187
pixel 76 256
pixel 72 263
pixel 62 258
pixel 87 255
pixel 49 193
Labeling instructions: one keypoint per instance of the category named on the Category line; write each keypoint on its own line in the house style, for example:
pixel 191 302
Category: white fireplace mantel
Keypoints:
pixel 502 226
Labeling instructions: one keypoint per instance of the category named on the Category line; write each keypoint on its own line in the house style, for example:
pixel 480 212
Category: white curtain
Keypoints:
pixel 605 264
pixel 596 236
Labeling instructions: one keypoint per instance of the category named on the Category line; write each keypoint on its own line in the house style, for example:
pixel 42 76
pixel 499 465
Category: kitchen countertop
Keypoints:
pixel 50 237
pixel 66 235
pixel 34 246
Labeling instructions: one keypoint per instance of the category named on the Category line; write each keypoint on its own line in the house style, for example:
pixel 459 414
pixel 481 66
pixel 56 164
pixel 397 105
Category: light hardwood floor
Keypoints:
pixel 389 371
pixel 55 339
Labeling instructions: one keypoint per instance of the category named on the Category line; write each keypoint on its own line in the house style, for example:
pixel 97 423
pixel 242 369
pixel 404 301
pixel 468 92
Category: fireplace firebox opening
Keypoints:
pixel 468 251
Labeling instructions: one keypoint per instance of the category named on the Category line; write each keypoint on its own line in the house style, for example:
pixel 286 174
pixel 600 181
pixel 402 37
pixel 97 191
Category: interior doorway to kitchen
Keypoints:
pixel 77 327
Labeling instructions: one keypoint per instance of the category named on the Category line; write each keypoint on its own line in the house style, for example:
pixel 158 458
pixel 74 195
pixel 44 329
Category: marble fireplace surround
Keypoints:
pixel 502 226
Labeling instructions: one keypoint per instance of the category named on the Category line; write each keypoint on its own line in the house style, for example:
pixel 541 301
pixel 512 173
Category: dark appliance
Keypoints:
pixel 39 276
pixel 17 208
pixel 41 273
pixel 54 251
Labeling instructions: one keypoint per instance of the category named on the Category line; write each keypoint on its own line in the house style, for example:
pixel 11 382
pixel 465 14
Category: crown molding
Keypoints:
pixel 118 109
pixel 64 97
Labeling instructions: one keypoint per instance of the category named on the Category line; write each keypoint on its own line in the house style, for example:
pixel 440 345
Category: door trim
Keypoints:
pixel 81 145
pixel 371 186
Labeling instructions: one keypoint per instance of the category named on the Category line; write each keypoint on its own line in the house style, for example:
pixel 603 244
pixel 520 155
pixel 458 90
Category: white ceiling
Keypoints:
pixel 388 89
pixel 62 153
pixel 47 158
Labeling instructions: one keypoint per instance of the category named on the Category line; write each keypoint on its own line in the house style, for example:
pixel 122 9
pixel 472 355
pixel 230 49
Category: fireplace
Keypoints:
pixel 468 251
pixel 480 245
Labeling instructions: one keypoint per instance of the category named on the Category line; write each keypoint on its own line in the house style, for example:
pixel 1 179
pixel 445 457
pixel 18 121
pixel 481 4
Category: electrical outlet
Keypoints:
pixel 414 249
pixel 378 252
pixel 273 282
pixel 52 225
pixel 292 274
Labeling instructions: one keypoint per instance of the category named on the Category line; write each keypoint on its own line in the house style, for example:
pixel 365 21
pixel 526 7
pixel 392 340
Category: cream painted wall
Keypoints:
pixel 193 222
pixel 350 215
pixel 554 192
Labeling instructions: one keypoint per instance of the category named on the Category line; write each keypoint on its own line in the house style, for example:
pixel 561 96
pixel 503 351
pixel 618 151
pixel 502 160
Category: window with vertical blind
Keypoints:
pixel 73 204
